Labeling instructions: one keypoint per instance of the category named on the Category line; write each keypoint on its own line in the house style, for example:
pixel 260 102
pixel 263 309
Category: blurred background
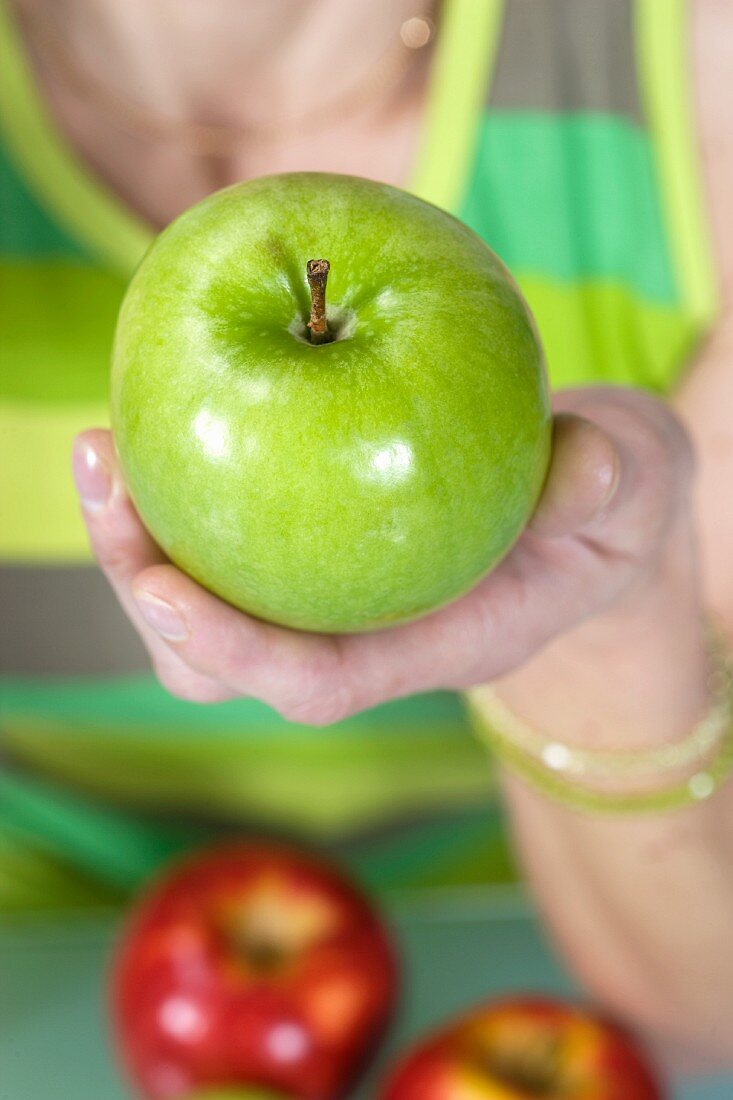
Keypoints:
pixel 537 122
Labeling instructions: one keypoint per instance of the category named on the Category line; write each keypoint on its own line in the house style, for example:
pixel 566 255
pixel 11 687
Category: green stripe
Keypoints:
pixel 57 319
pixel 599 331
pixel 82 206
pixel 131 741
pixel 663 35
pixel 463 849
pixel 319 786
pixel 571 197
pixel 25 228
pixel 468 37
pixel 101 842
pixel 60 850
pixel 121 703
pixel 319 783
pixel 33 879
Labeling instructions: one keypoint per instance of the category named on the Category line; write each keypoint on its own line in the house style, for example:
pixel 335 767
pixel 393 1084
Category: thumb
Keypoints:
pixel 582 480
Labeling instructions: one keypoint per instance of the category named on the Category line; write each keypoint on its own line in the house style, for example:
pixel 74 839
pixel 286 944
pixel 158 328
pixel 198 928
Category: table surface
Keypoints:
pixel 457 950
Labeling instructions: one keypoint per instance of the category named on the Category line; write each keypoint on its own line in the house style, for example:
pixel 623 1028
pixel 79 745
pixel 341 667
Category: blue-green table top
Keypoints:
pixel 457 950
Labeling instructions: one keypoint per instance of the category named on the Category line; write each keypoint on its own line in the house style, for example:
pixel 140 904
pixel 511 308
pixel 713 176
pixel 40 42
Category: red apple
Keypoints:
pixel 524 1049
pixel 254 965
pixel 244 1093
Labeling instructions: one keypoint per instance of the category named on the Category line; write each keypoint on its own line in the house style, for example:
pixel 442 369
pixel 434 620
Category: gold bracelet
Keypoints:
pixel 561 770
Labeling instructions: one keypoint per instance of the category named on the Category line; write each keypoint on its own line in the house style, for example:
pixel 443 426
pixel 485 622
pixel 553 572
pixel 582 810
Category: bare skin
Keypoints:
pixel 643 908
pixel 606 590
pixel 233 64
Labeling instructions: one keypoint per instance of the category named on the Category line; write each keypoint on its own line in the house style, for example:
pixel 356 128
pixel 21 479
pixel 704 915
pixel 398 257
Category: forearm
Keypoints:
pixel 642 906
pixel 642 910
pixel 705 405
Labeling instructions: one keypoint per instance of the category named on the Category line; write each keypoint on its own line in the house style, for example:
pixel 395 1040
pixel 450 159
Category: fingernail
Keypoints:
pixel 162 616
pixel 92 476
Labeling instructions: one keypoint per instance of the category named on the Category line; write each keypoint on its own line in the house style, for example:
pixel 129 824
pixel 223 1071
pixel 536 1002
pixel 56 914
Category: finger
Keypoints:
pixel 318 680
pixel 123 548
pixel 297 673
pixel 582 480
pixel 655 473
pixel 119 541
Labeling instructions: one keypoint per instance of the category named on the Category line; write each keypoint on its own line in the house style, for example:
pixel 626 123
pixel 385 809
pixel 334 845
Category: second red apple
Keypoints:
pixel 521 1049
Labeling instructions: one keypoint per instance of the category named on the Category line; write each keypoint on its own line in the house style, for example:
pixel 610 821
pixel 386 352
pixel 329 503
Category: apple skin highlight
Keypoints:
pixel 342 486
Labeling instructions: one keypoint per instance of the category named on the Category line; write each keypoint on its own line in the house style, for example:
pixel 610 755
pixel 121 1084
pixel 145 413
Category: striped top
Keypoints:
pixel 561 132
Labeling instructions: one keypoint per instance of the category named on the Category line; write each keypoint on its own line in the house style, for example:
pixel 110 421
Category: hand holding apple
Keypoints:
pixel 524 1048
pixel 338 456
pixel 619 472
pixel 251 966
pixel 349 466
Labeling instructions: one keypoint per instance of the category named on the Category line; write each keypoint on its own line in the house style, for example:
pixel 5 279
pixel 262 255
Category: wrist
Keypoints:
pixel 674 775
pixel 633 676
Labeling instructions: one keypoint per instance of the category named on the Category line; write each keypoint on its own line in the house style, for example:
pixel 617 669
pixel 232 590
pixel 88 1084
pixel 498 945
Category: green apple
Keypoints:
pixel 337 471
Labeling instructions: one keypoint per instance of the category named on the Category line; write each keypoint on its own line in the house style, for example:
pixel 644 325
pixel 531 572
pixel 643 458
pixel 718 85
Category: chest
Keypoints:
pixel 158 172
pixel 561 178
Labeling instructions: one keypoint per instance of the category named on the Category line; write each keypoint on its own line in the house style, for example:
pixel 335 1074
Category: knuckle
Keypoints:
pixel 319 710
pixel 671 457
pixel 185 685
pixel 661 465
pixel 112 557
pixel 320 693
pixel 680 449
pixel 666 436
pixel 652 422
pixel 321 699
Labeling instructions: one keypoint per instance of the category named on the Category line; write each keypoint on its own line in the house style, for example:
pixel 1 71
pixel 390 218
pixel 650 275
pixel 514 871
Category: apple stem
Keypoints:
pixel 317 271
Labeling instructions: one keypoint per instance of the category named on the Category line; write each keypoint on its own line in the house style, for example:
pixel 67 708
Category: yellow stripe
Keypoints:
pixel 663 41
pixel 53 171
pixel 469 32
pixel 40 514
